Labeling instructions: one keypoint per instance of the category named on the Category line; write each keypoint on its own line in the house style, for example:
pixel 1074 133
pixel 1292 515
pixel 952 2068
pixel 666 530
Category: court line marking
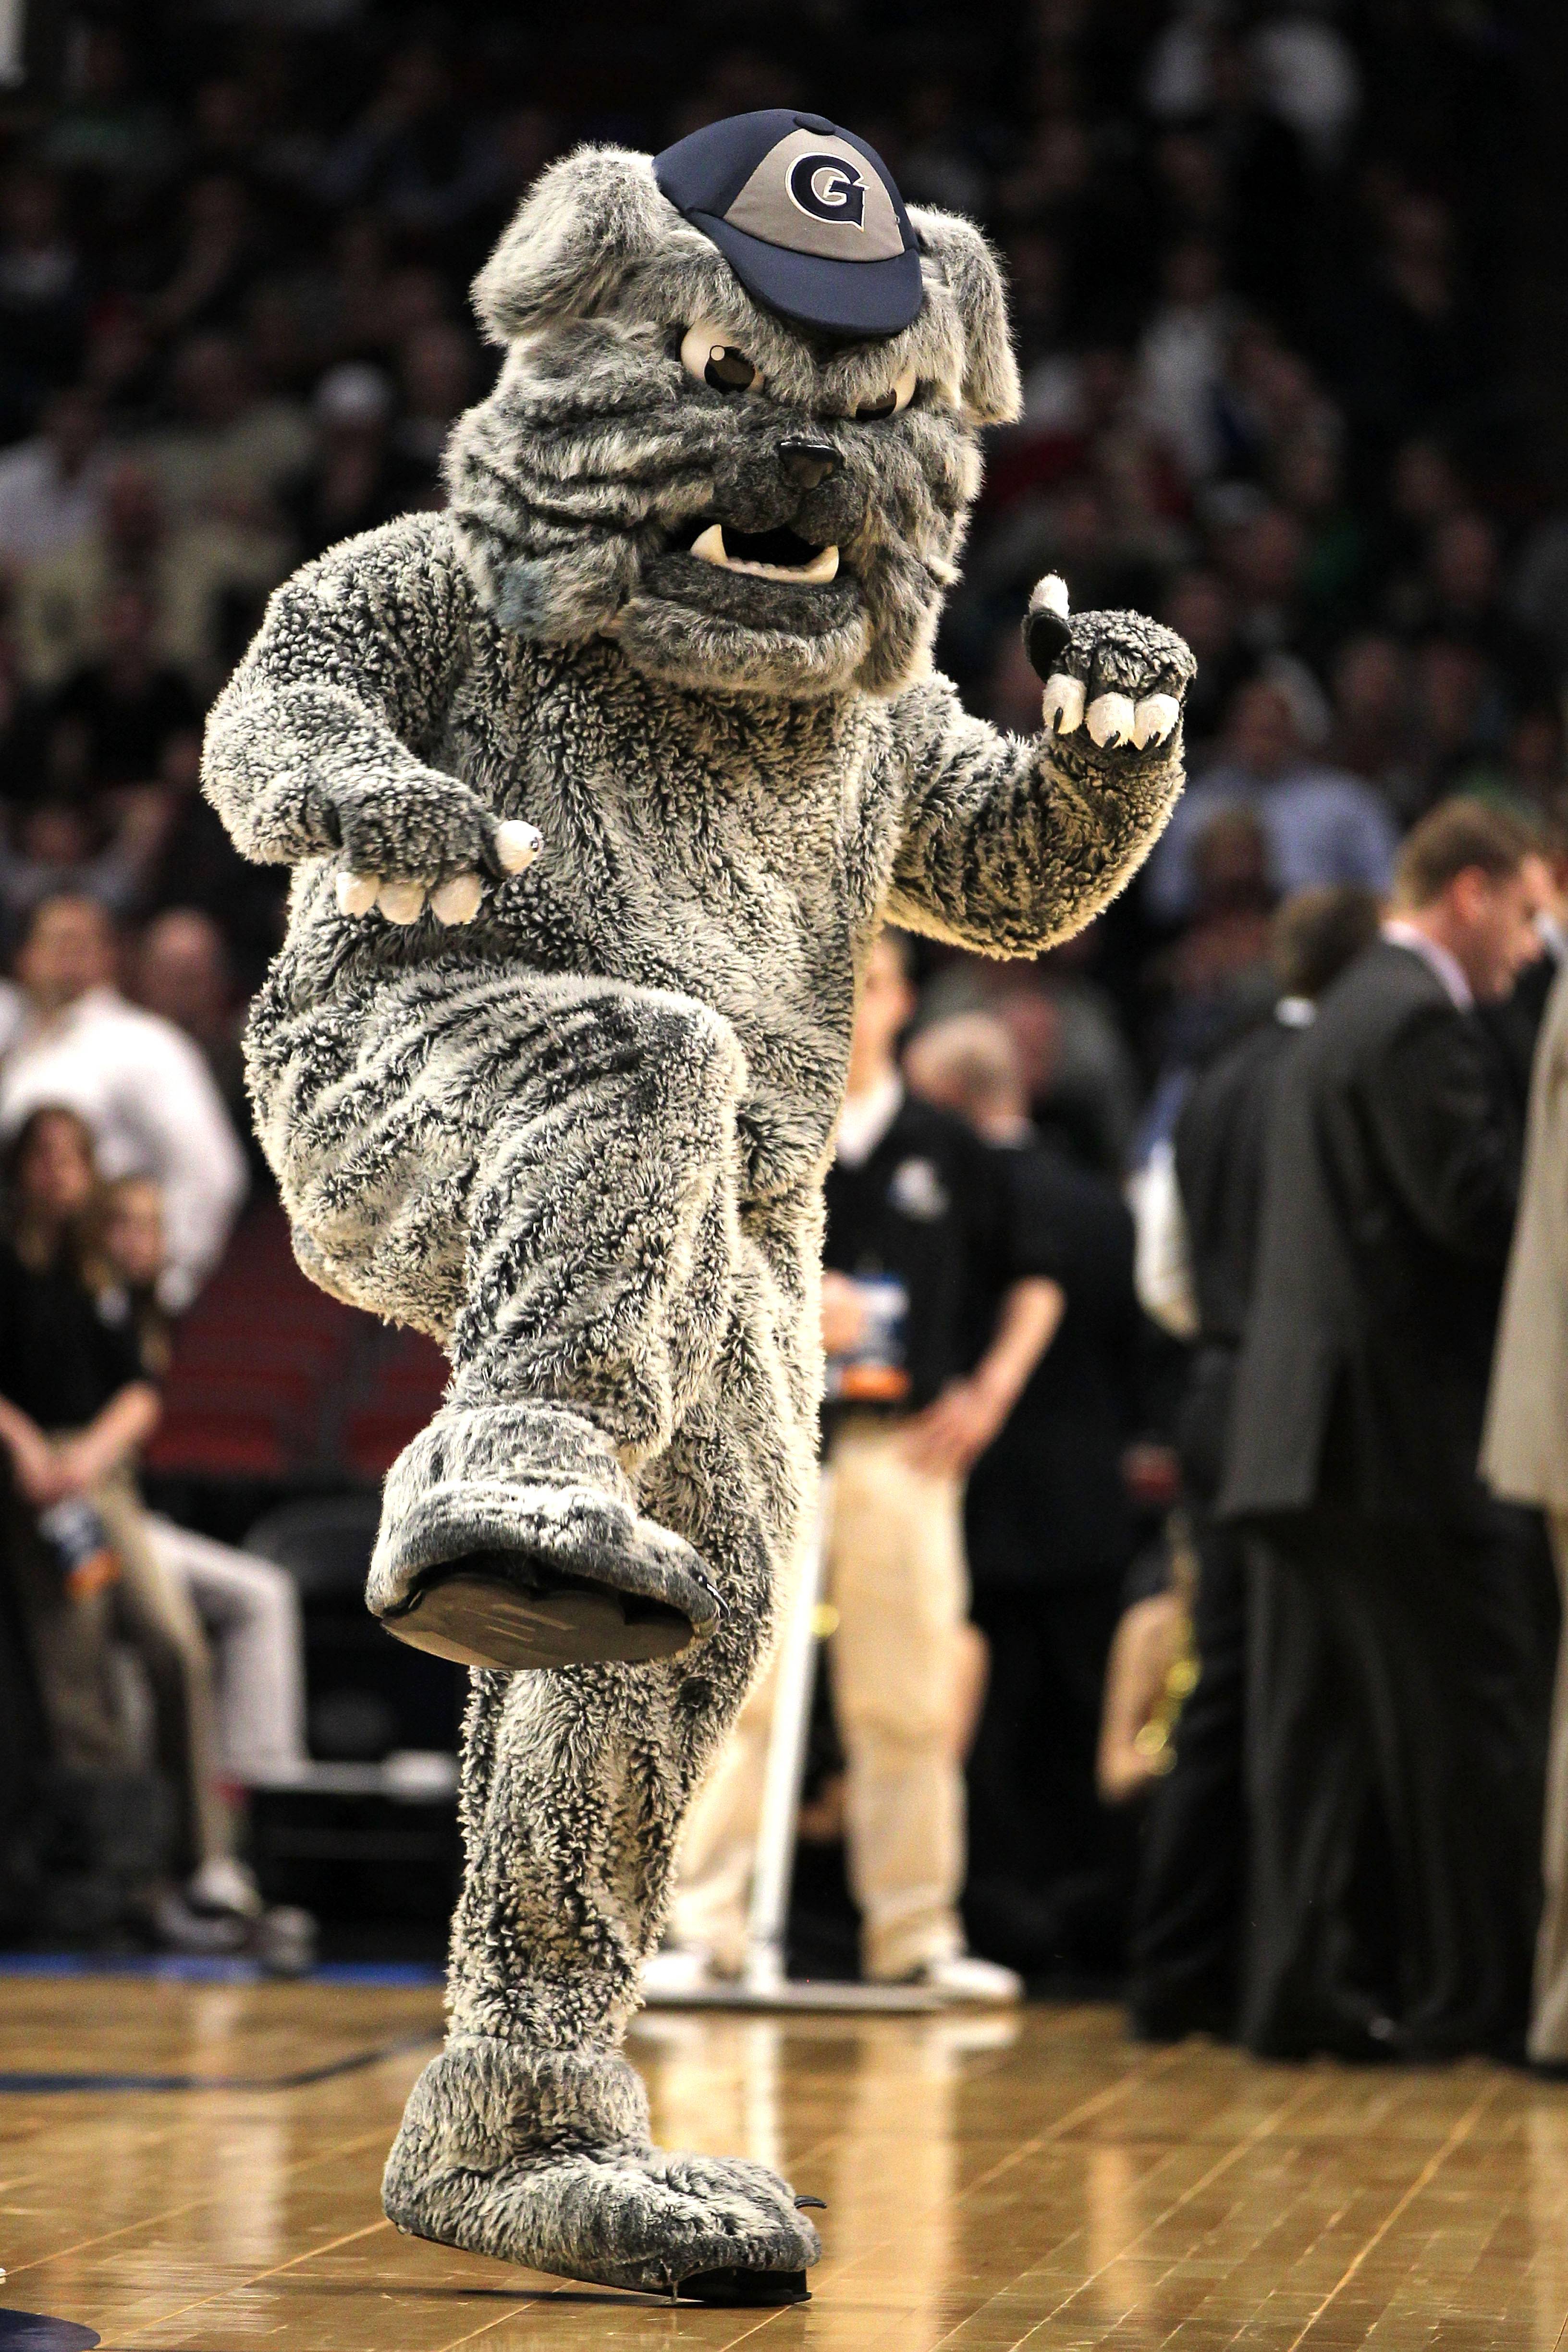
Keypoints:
pixel 162 2318
pixel 49 2085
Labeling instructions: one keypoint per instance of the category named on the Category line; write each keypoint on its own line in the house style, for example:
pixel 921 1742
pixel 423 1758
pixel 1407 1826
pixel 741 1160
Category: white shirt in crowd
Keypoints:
pixel 864 1121
pixel 144 1089
pixel 43 509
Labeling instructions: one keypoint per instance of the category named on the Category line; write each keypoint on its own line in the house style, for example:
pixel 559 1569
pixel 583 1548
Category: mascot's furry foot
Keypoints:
pixel 543 2158
pixel 509 1538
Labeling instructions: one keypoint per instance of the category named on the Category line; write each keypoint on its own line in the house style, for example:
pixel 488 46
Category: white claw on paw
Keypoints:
pixel 1110 721
pixel 457 901
pixel 356 892
pixel 1050 595
pixel 518 845
pixel 1064 704
pixel 1154 717
pixel 401 902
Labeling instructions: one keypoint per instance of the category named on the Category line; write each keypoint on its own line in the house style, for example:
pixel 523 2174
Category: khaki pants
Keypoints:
pixel 896 1576
pixel 1549 2011
pixel 70 1640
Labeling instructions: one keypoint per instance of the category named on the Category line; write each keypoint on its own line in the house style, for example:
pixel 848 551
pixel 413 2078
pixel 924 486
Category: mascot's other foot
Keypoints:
pixel 509 1538
pixel 543 2158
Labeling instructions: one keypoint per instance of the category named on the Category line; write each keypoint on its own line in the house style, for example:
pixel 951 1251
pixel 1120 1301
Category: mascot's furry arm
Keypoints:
pixel 1009 846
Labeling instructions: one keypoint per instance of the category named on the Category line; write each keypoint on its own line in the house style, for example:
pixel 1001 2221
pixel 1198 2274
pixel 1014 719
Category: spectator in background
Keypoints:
pixel 181 971
pixel 1373 690
pixel 1200 606
pixel 228 451
pixel 220 253
pixel 76 1404
pixel 923 1372
pixel 1524 1459
pixel 357 479
pixel 128 703
pixel 42 293
pixel 1049 1533
pixel 61 847
pixel 436 370
pixel 51 485
pixel 1395 1711
pixel 1195 1278
pixel 1320 825
pixel 1080 1083
pixel 1181 356
pixel 249 1610
pixel 204 582
pixel 194 866
pixel 140 1088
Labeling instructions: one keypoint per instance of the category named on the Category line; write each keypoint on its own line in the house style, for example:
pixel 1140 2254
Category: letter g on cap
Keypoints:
pixel 829 189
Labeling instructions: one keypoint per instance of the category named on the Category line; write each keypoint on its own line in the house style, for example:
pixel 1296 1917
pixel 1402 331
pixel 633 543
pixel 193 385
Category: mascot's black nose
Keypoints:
pixel 806 464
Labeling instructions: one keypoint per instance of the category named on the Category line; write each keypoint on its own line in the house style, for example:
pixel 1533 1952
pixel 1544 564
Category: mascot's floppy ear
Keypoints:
pixel 969 270
pixel 581 227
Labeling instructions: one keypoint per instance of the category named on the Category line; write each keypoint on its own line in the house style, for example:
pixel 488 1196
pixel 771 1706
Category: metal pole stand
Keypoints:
pixel 763 1982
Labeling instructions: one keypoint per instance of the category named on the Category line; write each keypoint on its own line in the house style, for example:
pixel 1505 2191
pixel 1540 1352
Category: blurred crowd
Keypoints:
pixel 1260 325
pixel 1266 398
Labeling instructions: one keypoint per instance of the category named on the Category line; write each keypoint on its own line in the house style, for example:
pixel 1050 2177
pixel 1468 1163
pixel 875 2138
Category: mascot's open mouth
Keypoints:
pixel 780 554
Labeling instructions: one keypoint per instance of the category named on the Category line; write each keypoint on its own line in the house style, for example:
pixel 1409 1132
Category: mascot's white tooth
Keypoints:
pixel 355 893
pixel 584 1136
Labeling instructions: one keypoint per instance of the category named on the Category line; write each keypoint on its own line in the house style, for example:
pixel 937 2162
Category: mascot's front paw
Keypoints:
pixel 1118 676
pixel 543 2158
pixel 430 841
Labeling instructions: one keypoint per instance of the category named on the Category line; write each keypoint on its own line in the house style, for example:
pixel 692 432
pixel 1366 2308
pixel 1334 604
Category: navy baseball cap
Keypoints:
pixel 806 215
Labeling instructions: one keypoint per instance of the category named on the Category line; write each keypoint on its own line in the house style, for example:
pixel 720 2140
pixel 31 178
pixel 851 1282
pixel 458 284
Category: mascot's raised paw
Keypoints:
pixel 402 898
pixel 1118 677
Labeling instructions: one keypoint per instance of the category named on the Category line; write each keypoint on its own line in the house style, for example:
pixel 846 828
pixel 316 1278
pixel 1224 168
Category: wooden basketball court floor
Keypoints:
pixel 991 2181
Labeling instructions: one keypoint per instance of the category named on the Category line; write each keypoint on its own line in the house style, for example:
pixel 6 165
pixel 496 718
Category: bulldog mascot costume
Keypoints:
pixel 597 787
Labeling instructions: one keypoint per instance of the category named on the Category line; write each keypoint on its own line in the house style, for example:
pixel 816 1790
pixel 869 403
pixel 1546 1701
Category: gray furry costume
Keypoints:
pixel 574 1120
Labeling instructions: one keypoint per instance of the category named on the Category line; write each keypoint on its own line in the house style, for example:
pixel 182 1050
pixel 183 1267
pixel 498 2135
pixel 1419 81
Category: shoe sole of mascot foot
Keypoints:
pixel 519 1613
pixel 734 2289
pixel 749 2290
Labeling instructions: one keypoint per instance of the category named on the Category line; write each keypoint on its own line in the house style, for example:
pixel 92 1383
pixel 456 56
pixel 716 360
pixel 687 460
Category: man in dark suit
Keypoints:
pixel 1395 1712
pixel 1187 1912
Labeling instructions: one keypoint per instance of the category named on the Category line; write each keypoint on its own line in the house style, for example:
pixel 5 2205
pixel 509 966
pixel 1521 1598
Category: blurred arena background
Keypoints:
pixel 1289 287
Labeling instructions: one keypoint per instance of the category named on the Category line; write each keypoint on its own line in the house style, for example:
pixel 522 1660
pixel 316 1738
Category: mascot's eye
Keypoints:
pixel 898 395
pixel 705 354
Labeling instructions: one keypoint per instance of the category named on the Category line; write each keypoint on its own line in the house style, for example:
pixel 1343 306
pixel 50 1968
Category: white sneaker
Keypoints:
pixel 961 1977
pixel 227 1886
pixel 676 1971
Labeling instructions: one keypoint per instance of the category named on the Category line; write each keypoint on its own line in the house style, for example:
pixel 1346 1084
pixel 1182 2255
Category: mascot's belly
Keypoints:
pixel 726 864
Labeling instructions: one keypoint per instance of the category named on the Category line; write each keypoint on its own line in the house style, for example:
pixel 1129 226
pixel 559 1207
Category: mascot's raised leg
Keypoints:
pixel 544 1172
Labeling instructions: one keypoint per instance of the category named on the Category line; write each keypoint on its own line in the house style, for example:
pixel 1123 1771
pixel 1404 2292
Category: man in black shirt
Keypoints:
pixel 932 1332
pixel 1050 1535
